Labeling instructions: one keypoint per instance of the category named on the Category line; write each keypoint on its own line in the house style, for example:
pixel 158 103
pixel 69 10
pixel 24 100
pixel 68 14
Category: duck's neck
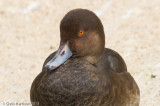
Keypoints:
pixel 93 59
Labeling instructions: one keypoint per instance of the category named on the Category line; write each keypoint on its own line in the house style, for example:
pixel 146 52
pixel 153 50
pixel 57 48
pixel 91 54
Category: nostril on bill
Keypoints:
pixel 62 53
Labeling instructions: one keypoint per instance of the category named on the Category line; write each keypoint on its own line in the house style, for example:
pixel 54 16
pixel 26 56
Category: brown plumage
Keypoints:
pixel 91 75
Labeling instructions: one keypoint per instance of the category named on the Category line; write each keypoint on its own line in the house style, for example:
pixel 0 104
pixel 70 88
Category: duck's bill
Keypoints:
pixel 60 57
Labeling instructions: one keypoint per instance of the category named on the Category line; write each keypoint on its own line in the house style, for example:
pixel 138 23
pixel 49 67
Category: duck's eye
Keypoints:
pixel 81 32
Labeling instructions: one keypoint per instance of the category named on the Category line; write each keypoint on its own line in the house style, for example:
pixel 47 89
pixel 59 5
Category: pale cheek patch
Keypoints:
pixel 95 42
pixel 78 45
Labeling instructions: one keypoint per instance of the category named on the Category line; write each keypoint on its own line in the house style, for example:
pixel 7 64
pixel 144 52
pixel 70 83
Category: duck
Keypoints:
pixel 82 72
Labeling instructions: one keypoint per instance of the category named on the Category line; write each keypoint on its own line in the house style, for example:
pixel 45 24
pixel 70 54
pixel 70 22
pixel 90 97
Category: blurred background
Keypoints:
pixel 29 32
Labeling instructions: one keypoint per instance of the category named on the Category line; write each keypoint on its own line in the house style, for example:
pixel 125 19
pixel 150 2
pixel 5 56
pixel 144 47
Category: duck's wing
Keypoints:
pixel 115 61
pixel 124 89
pixel 48 59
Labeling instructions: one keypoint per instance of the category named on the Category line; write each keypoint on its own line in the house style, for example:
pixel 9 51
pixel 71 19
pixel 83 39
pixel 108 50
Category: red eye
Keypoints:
pixel 81 33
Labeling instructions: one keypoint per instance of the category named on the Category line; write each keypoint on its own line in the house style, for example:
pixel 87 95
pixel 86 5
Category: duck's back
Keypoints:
pixel 79 83
pixel 112 60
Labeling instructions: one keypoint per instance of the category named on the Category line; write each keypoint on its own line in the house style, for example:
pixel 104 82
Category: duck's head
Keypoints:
pixel 82 36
